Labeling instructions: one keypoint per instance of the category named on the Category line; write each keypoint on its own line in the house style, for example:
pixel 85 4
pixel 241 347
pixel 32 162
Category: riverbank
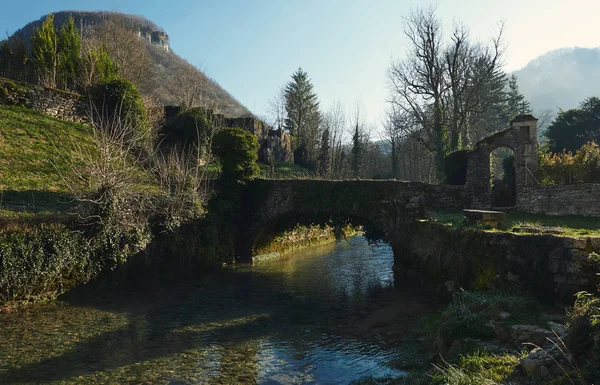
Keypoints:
pixel 496 338
pixel 301 237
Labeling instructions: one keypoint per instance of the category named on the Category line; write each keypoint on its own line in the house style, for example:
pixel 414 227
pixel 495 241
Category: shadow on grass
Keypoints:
pixel 35 201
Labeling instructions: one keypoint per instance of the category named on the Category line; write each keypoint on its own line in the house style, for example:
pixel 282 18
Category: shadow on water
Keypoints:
pixel 310 316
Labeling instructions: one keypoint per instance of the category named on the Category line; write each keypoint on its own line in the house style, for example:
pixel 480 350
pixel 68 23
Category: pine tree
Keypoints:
pixel 302 112
pixel 44 51
pixel 69 51
pixel 516 102
pixel 356 152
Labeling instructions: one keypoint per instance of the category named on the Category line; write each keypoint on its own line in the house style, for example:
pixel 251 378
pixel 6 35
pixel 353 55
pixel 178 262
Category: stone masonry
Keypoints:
pixel 521 137
pixel 60 104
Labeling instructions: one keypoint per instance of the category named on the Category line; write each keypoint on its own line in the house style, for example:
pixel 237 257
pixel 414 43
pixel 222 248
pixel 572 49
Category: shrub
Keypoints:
pixel 455 167
pixel 237 151
pixel 47 260
pixel 42 260
pixel 119 100
pixel 566 168
pixel 190 127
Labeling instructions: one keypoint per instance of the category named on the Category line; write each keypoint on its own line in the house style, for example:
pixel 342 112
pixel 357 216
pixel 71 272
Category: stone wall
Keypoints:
pixel 384 207
pixel 60 104
pixel 575 199
pixel 521 137
pixel 550 267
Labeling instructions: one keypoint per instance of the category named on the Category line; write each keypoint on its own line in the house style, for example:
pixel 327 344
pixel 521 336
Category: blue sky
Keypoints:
pixel 252 47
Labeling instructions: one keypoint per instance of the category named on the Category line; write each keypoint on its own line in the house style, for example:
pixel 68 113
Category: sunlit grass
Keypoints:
pixel 282 170
pixel 575 226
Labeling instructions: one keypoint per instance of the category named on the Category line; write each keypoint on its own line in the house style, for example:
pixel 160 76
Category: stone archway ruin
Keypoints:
pixel 521 137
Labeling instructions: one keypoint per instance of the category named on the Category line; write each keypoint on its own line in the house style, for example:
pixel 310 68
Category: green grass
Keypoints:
pixel 33 148
pixel 34 164
pixel 479 368
pixel 282 170
pixel 575 226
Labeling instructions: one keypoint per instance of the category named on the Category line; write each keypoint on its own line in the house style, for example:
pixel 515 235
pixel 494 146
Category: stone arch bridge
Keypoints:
pixel 384 207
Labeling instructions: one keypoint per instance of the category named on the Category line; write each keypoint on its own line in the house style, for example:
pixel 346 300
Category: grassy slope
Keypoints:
pixel 34 151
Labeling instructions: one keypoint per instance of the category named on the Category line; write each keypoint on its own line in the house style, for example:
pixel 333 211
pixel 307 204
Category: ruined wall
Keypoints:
pixel 574 199
pixel 550 267
pixel 60 104
pixel 521 137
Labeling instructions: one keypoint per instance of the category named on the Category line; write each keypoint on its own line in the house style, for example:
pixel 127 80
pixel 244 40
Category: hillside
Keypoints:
pixel 561 78
pixel 34 158
pixel 167 68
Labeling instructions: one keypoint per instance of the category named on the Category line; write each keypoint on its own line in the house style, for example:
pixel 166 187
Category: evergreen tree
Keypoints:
pixel 44 52
pixel 69 51
pixel 324 155
pixel 357 149
pixel 575 127
pixel 516 102
pixel 302 112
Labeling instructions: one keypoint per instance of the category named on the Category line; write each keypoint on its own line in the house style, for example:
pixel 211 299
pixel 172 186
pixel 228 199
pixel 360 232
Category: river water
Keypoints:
pixel 325 315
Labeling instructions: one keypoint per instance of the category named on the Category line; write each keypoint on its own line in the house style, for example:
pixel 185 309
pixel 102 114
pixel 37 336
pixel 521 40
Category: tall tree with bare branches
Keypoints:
pixel 441 85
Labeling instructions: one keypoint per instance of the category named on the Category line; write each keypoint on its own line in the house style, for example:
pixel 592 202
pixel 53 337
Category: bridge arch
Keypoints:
pixel 386 207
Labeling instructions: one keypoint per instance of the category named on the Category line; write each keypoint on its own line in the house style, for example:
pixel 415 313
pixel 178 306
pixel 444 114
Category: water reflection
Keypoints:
pixel 325 315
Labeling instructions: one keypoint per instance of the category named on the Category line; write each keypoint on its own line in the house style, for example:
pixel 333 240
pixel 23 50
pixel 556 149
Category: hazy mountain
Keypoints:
pixel 561 78
pixel 166 64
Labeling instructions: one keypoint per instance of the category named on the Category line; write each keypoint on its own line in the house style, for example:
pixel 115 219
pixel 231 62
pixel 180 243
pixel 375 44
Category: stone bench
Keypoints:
pixel 483 217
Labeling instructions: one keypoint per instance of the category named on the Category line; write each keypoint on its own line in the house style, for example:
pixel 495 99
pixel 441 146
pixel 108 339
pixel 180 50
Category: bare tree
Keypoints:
pixel 335 122
pixel 418 82
pixel 191 86
pixel 474 81
pixel 277 112
pixel 106 172
pixel 396 129
pixel 442 86
pixel 131 58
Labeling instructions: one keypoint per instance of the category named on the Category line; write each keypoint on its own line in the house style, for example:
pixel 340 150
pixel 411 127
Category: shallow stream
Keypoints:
pixel 324 315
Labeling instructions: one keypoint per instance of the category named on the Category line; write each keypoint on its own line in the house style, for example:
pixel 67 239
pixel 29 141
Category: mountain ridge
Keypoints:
pixel 167 66
pixel 560 78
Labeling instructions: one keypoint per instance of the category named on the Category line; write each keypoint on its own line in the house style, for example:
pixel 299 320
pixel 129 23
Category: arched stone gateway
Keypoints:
pixel 386 207
pixel 521 137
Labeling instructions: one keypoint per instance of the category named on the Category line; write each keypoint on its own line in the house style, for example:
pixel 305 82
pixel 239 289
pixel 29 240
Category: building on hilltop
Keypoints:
pixel 158 38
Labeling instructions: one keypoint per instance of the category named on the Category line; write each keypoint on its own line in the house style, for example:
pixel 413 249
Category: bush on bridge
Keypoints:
pixel 237 151
pixel 455 167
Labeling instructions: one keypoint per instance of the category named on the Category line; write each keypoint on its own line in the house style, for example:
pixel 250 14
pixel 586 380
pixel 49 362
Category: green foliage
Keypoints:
pixel 14 58
pixel 237 152
pixel 566 168
pixel 468 313
pixel 455 167
pixel 44 51
pixel 573 128
pixel 41 260
pixel 46 260
pixel 119 100
pixel 187 128
pixel 302 114
pixel 583 338
pixel 479 368
pixel 504 190
pixel 69 51
pixel 516 104
pixel 56 54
